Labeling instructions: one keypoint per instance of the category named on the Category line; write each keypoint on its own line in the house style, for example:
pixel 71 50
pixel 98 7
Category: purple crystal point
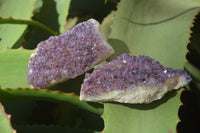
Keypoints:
pixel 68 55
pixel 131 79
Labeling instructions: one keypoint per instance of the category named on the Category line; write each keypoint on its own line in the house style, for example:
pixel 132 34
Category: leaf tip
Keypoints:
pixel 8 117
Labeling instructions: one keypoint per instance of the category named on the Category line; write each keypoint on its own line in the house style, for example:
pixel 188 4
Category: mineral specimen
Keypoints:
pixel 68 55
pixel 131 79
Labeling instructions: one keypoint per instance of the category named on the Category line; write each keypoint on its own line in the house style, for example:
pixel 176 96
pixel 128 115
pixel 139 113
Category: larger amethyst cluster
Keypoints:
pixel 125 72
pixel 68 55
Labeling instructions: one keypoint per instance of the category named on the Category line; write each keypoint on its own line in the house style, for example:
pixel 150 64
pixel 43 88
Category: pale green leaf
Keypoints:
pixel 5 124
pixel 18 9
pixel 62 7
pixel 71 22
pixel 106 25
pixel 159 29
pixel 13 68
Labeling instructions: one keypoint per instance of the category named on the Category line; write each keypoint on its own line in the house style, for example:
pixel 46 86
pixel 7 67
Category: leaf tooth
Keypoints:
pixel 21 47
pixel 107 23
pixel 193 32
pixel 103 115
pixel 7 47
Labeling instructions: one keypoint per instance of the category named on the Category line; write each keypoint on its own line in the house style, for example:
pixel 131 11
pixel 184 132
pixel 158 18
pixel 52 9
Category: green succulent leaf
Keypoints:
pixel 13 78
pixel 10 20
pixel 20 9
pixel 13 68
pixel 119 46
pixel 159 29
pixel 47 95
pixel 62 7
pixel 5 124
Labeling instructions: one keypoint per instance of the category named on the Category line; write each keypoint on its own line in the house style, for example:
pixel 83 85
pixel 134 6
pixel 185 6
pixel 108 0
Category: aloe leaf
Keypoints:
pixel 51 129
pixel 5 124
pixel 47 95
pixel 10 20
pixel 21 9
pixel 13 78
pixel 13 68
pixel 159 29
pixel 62 7
pixel 107 23
pixel 118 45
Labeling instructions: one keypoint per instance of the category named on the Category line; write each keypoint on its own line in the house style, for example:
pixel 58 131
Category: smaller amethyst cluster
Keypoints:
pixel 127 71
pixel 68 55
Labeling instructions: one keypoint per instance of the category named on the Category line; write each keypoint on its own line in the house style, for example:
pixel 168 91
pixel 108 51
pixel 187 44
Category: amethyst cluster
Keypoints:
pixel 68 55
pixel 131 79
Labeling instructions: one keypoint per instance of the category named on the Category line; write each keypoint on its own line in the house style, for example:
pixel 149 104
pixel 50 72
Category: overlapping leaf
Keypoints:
pixel 14 62
pixel 21 9
pixel 46 95
pixel 5 124
pixel 16 77
pixel 107 23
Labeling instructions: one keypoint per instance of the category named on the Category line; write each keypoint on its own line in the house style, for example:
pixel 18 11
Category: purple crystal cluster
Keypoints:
pixel 67 55
pixel 125 71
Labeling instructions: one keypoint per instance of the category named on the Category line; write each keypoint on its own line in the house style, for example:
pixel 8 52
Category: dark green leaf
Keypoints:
pixel 50 129
pixel 192 70
pixel 45 12
pixel 47 95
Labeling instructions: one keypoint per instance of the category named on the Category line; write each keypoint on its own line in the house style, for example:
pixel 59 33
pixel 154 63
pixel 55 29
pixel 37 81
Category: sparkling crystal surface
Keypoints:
pixel 125 71
pixel 67 55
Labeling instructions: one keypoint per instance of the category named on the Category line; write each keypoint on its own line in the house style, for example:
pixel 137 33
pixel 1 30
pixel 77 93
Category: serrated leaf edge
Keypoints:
pixel 56 96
